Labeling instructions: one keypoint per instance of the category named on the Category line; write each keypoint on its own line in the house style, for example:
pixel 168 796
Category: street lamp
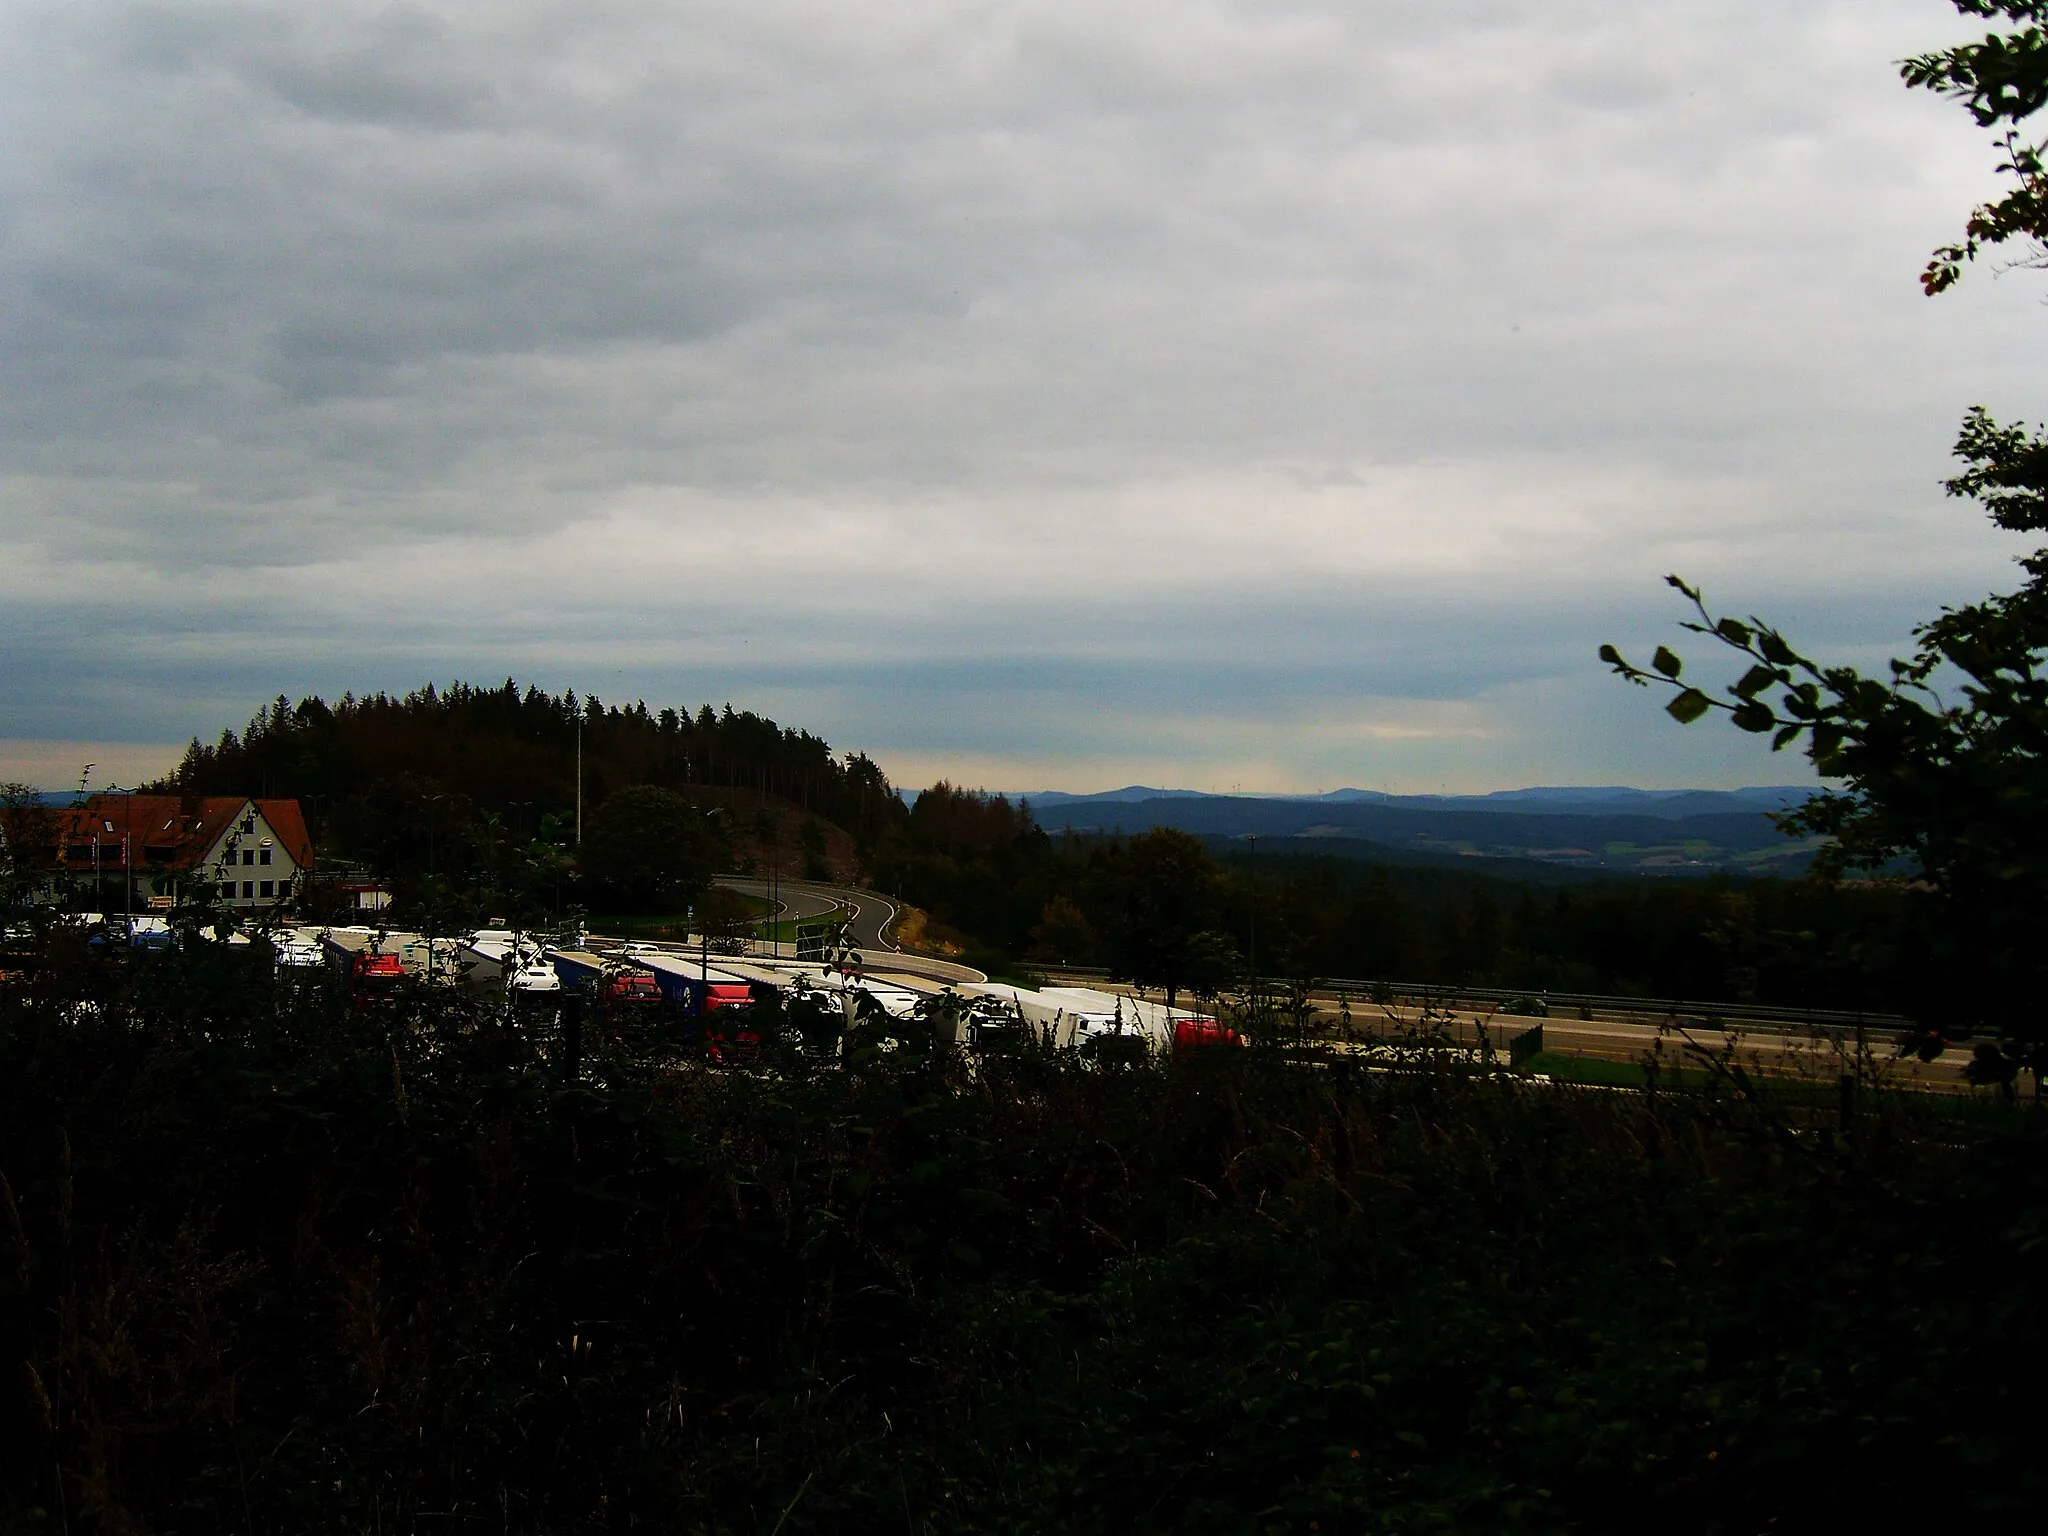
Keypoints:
pixel 127 840
pixel 1252 959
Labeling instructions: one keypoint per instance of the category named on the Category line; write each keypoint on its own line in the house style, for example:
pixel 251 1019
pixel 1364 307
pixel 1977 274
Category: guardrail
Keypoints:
pixel 1657 1009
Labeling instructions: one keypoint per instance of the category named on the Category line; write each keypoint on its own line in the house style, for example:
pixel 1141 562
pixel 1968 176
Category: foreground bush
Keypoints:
pixel 274 1264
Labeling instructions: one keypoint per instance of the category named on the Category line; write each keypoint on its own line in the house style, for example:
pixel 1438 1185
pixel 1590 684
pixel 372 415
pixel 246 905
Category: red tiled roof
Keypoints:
pixel 173 831
pixel 290 827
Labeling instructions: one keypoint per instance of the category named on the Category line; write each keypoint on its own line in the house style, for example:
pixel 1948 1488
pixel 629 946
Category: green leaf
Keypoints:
pixel 1755 681
pixel 1688 706
pixel 1734 631
pixel 1754 717
pixel 1785 737
pixel 1775 650
pixel 1612 656
pixel 1667 662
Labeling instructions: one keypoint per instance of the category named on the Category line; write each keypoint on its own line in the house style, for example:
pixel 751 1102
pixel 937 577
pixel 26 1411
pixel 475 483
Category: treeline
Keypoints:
pixel 1198 914
pixel 404 782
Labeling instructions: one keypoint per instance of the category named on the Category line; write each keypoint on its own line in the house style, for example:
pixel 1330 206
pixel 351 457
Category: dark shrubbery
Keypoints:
pixel 649 850
pixel 272 1263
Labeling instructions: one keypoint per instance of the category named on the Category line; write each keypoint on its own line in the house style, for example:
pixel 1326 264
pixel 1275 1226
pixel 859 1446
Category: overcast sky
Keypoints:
pixel 1042 395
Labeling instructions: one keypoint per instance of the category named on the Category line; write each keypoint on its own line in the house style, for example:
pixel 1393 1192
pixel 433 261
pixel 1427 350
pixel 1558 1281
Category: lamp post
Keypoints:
pixel 127 839
pixel 1252 958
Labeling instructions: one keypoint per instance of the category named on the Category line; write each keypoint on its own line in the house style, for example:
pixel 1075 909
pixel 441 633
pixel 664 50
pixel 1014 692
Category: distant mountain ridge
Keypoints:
pixel 1597 829
pixel 1567 800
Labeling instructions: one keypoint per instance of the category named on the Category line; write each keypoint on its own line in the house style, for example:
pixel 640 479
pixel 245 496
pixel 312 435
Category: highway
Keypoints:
pixel 1814 1053
pixel 1623 1029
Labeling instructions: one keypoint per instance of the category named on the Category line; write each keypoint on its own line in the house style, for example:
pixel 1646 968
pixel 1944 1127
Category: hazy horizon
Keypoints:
pixel 54 767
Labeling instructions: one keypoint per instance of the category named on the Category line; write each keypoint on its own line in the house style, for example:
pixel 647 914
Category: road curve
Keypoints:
pixel 803 900
pixel 799 900
pixel 870 914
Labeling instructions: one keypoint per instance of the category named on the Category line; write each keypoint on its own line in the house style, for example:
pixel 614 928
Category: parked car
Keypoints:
pixel 533 976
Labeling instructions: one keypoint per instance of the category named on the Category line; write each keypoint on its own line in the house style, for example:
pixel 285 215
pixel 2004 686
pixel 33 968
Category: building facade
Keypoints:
pixel 139 853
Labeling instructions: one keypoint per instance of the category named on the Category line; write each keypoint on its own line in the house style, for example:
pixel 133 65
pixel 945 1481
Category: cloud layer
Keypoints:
pixel 1285 395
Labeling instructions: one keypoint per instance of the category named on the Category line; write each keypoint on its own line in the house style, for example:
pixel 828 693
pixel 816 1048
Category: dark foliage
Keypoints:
pixel 268 1263
pixel 2001 80
pixel 379 775
pixel 1796 943
pixel 1160 900
pixel 649 850
pixel 980 862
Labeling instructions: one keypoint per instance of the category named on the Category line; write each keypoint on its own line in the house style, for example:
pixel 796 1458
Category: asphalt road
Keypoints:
pixel 871 914
pixel 798 899
pixel 1620 1034
pixel 804 900
pixel 1816 1054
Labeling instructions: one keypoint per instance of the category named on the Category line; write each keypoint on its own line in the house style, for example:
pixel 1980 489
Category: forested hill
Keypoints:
pixel 513 753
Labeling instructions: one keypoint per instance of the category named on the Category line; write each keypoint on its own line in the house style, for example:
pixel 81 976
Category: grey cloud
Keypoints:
pixel 303 289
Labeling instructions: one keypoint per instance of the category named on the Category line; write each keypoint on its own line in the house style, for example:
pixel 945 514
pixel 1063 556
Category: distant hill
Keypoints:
pixel 1129 794
pixel 1365 851
pixel 1564 801
pixel 1623 831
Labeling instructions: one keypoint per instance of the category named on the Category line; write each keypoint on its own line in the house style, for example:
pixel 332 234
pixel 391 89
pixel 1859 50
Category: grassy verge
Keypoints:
pixel 1612 1074
pixel 674 925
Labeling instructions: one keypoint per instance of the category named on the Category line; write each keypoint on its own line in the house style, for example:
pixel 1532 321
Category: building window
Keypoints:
pixel 248 823
pixel 249 856
pixel 269 887
pixel 263 857
pixel 248 890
